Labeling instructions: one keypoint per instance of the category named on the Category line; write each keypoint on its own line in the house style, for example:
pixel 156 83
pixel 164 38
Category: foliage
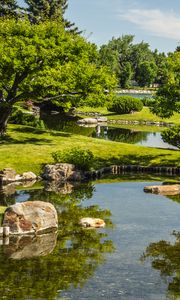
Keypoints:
pixel 148 101
pixel 43 62
pixel 168 95
pixel 8 8
pixel 125 104
pixel 147 71
pixel 20 117
pixel 133 61
pixel 81 158
pixel 172 136
pixel 43 10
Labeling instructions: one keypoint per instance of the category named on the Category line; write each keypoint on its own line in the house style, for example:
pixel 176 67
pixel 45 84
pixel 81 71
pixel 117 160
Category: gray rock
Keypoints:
pixel 29 176
pixel 102 119
pixel 87 121
pixel 61 172
pixel 7 175
pixel 30 217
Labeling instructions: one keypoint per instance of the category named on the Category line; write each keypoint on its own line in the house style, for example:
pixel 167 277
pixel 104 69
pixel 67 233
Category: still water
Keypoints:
pixel 134 257
pixel 112 133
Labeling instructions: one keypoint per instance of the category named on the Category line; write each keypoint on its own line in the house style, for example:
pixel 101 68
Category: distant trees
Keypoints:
pixel 133 61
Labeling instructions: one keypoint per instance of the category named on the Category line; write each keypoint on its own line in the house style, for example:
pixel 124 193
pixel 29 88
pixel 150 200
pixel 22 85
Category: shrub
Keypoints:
pixel 125 104
pixel 22 118
pixel 81 158
pixel 172 136
pixel 148 101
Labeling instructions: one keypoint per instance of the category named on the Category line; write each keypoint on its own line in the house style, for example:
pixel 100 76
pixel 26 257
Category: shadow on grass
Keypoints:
pixel 7 140
pixel 141 160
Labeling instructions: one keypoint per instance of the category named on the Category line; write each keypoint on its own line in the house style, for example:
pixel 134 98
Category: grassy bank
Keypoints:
pixel 144 115
pixel 26 149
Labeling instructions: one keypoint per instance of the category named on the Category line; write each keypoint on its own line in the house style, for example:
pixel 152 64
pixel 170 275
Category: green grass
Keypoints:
pixel 27 149
pixel 144 115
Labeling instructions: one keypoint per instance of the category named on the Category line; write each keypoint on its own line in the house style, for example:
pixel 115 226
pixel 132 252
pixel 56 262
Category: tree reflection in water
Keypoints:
pixel 76 256
pixel 165 257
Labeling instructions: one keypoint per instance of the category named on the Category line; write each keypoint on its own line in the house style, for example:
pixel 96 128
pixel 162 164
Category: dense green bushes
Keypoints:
pixel 25 118
pixel 125 104
pixel 172 136
pixel 82 159
pixel 149 102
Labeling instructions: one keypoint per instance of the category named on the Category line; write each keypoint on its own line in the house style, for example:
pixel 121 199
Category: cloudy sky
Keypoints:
pixel 154 21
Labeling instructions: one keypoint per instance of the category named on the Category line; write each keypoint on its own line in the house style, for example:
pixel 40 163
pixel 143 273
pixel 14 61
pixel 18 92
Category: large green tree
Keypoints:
pixel 43 62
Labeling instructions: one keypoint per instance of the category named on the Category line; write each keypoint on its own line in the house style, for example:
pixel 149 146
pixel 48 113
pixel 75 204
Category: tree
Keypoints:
pixel 172 136
pixel 116 56
pixel 147 72
pixel 168 95
pixel 8 8
pixel 43 62
pixel 42 10
pixel 129 61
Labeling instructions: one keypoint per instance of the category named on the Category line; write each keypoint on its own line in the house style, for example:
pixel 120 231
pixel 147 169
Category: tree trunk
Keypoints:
pixel 5 112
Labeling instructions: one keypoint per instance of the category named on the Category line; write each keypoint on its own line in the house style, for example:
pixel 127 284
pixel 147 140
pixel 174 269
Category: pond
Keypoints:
pixel 118 134
pixel 134 257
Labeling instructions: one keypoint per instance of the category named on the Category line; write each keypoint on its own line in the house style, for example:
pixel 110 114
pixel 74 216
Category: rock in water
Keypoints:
pixel 92 222
pixel 31 217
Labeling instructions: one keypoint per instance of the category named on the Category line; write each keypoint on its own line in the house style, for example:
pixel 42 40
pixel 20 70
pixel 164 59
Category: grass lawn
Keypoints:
pixel 27 149
pixel 144 115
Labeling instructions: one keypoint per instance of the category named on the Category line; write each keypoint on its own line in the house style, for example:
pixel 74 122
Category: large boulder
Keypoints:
pixel 31 217
pixel 61 172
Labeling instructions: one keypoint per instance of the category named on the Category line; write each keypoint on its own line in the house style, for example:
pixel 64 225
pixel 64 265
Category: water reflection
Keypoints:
pixel 29 246
pixel 165 257
pixel 40 267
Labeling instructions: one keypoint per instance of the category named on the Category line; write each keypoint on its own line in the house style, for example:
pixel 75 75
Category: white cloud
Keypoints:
pixel 155 21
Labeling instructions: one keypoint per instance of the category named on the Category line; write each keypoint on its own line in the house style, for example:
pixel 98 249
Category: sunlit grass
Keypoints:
pixel 27 149
pixel 144 115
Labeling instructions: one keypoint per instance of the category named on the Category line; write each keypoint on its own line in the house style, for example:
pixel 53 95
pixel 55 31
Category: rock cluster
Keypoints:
pixel 8 175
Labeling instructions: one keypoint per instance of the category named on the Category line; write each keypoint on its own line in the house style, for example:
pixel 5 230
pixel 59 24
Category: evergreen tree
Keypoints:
pixel 41 10
pixel 8 8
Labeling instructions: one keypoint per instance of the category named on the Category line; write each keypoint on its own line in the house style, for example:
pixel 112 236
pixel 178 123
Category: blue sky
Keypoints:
pixel 156 21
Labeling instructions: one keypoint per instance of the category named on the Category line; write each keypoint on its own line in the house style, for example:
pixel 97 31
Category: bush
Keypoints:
pixel 22 118
pixel 172 136
pixel 125 104
pixel 82 159
pixel 148 101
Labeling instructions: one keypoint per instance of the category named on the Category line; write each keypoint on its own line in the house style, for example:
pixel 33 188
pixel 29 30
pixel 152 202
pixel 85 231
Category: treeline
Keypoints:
pixel 134 64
